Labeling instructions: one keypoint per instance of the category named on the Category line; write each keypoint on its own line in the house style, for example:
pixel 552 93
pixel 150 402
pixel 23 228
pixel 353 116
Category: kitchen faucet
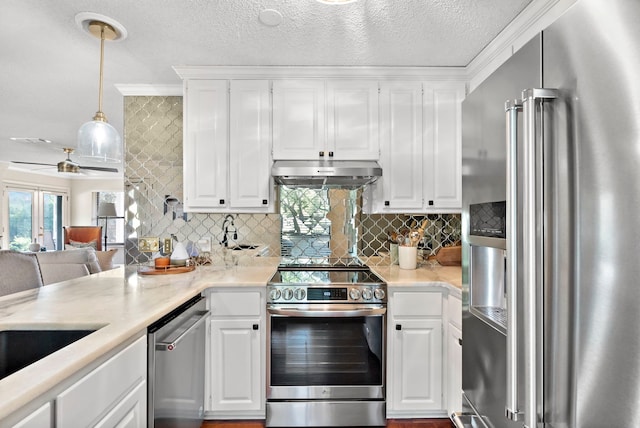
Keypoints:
pixel 225 229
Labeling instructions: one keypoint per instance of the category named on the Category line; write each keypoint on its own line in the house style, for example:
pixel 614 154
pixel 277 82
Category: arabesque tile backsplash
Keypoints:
pixel 153 185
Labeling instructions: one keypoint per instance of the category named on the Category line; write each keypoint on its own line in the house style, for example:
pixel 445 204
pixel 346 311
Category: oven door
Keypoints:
pixel 326 352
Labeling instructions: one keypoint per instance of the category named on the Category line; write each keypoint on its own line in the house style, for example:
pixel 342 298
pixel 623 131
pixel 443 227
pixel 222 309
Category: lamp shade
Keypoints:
pixel 100 141
pixel 107 209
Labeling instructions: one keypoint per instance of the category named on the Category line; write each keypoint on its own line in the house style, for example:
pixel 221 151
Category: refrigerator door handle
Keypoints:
pixel 512 107
pixel 531 247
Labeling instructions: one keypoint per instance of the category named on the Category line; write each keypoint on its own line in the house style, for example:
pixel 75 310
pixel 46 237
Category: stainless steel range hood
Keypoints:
pixel 325 173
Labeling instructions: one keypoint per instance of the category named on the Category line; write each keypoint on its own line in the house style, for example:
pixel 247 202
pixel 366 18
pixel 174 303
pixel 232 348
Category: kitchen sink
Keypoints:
pixel 241 247
pixel 20 348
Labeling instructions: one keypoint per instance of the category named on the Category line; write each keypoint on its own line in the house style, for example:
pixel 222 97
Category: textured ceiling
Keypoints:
pixel 49 67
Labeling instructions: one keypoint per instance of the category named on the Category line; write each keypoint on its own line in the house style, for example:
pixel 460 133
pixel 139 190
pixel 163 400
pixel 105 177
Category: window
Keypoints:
pixel 112 227
pixel 34 214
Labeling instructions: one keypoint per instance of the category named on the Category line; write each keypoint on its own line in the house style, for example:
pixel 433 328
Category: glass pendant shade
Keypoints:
pixel 100 141
pixel 97 139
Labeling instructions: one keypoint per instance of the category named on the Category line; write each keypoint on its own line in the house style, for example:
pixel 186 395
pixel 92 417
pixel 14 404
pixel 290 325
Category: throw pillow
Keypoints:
pixel 105 258
pixel 76 244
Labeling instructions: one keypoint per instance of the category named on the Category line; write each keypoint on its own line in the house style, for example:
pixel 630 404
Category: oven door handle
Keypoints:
pixel 327 313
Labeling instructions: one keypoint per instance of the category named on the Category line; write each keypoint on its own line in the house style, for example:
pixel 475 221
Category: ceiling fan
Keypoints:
pixel 68 165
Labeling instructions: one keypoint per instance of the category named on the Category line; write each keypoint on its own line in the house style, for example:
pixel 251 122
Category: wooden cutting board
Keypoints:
pixel 450 256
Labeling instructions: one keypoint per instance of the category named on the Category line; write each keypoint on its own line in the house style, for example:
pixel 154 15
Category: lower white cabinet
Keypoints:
pixel 112 395
pixel 415 355
pixel 235 382
pixel 40 418
pixel 454 370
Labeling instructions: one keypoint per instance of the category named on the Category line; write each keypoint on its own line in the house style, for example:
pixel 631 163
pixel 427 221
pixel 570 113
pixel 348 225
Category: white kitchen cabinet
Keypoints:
pixel 40 418
pixel 205 144
pixel 250 146
pixel 401 185
pixel 227 146
pixel 454 354
pixel 454 369
pixel 235 379
pixel 415 352
pixel 442 109
pixel 420 157
pixel 112 395
pixel 325 119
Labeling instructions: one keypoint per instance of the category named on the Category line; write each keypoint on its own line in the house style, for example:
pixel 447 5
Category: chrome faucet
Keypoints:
pixel 225 230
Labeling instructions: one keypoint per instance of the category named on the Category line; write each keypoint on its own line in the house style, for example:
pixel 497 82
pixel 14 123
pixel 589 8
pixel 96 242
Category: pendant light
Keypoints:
pixel 97 139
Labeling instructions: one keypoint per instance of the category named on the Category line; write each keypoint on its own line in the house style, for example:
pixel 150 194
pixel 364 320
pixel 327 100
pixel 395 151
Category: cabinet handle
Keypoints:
pixel 265 202
pixel 460 341
pixel 221 201
pixel 430 202
pixel 386 203
pixel 398 326
pixel 256 326
pixel 321 154
pixel 330 154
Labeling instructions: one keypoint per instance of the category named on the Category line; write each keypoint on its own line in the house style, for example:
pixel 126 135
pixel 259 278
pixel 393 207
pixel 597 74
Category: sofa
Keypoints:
pixel 57 266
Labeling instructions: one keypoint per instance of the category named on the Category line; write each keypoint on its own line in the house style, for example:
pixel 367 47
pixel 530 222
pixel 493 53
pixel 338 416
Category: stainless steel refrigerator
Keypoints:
pixel 551 247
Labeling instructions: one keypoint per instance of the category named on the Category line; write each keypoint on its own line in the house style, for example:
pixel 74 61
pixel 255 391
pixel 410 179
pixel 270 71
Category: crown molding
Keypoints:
pixel 321 72
pixel 130 90
pixel 537 16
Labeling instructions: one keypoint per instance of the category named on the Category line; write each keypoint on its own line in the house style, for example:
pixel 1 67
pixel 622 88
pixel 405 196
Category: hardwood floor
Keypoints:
pixel 391 423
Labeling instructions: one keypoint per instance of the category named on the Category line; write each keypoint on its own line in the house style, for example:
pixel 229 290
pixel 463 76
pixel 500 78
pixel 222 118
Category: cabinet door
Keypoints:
pixel 352 119
pixel 130 412
pixel 235 365
pixel 250 145
pixel 206 138
pixel 443 145
pixel 401 186
pixel 40 418
pixel 417 365
pixel 299 125
pixel 454 370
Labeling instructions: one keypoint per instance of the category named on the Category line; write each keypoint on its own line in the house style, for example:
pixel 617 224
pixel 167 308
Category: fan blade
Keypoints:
pixel 34 163
pixel 99 168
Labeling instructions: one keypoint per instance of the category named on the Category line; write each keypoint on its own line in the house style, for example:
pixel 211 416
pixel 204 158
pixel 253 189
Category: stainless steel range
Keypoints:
pixel 326 345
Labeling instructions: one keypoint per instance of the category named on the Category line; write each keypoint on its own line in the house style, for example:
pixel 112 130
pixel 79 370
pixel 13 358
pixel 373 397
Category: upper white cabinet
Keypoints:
pixel 250 148
pixel 227 144
pixel 401 187
pixel 205 144
pixel 442 108
pixel 325 119
pixel 420 140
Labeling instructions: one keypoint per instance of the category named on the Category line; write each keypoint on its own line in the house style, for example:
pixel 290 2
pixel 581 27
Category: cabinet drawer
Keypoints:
pixel 236 303
pixel 100 390
pixel 416 304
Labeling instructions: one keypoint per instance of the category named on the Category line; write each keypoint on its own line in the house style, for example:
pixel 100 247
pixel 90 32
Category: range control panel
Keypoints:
pixel 352 293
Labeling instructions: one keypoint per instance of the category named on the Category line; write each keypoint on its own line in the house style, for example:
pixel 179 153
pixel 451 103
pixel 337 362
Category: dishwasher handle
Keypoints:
pixel 191 324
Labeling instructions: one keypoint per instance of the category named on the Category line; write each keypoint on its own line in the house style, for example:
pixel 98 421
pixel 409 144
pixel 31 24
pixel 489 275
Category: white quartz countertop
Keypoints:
pixel 121 304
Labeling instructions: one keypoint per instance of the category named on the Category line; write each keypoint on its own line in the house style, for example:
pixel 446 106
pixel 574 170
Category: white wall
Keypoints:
pixel 81 198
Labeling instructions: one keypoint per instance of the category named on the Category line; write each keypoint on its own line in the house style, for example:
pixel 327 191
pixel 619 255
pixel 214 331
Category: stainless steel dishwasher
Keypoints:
pixel 176 352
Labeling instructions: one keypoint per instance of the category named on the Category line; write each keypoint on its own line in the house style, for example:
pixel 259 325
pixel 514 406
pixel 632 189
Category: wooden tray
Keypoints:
pixel 168 270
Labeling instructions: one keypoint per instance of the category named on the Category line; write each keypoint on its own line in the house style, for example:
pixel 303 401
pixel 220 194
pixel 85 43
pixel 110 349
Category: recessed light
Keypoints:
pixel 270 17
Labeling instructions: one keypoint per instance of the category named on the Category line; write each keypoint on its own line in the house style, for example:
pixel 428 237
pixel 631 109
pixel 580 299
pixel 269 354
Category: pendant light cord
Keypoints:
pixel 101 72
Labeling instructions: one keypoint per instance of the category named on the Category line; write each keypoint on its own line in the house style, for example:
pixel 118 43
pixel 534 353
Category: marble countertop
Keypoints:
pixel 120 304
